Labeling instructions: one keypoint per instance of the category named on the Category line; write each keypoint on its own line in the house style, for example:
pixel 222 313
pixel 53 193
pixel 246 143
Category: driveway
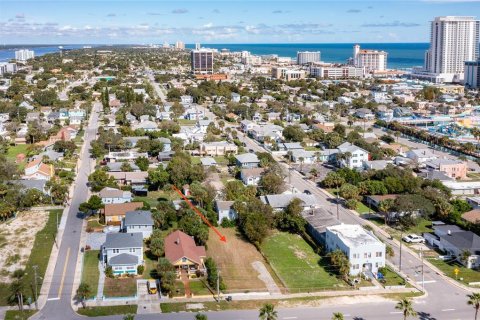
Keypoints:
pixel 95 240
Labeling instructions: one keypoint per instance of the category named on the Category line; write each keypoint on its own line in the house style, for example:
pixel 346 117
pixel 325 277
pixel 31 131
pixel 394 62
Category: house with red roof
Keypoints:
pixel 184 254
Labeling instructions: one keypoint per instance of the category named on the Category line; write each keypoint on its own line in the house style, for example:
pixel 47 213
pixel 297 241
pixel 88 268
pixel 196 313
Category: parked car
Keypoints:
pixel 152 287
pixel 413 238
pixel 306 191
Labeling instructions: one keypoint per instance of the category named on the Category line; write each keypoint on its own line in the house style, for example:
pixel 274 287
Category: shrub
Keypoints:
pixel 109 272
pixel 140 269
pixel 351 204
pixel 227 223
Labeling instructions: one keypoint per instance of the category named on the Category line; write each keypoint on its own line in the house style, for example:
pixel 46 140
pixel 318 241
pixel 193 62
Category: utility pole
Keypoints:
pixel 423 276
pixel 400 262
pixel 218 286
pixel 35 267
pixel 338 213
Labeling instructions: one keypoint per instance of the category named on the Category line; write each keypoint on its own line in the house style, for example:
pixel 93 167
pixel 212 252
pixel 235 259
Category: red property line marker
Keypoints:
pixel 222 237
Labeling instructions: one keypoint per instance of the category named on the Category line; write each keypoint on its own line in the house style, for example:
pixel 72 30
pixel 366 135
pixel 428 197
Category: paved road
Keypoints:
pixel 60 294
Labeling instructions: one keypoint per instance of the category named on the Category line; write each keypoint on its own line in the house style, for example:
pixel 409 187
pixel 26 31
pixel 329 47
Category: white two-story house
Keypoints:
pixel 123 252
pixel 364 251
pixel 113 195
pixel 356 155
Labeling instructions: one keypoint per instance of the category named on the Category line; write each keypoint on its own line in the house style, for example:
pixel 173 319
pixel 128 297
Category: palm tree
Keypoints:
pixel 83 292
pixel 338 316
pixel 464 257
pixel 200 316
pixel 406 306
pixel 129 317
pixel 474 300
pixel 397 134
pixel 16 288
pixel 267 312
pixel 384 207
pixel 302 160
pixel 314 173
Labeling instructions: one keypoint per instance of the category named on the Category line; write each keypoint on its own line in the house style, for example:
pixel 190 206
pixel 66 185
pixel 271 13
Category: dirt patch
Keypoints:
pixel 16 241
pixel 344 300
pixel 298 253
pixel 234 259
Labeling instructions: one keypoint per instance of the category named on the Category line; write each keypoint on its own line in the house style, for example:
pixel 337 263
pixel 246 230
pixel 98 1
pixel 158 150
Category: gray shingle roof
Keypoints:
pixel 123 259
pixel 124 240
pixel 138 217
pixel 247 158
pixel 464 240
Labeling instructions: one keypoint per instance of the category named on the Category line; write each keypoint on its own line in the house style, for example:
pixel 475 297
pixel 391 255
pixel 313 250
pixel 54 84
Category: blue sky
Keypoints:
pixel 226 21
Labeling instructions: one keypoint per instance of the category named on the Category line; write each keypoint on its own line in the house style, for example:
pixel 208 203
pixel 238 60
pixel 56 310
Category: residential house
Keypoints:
pixel 251 176
pixel 37 170
pixel 123 252
pixel 124 156
pixel 118 166
pixel 208 162
pixel 357 156
pixel 138 221
pixel 365 252
pixel 456 242
pixel 421 156
pixel 132 141
pixel 301 156
pixel 281 201
pixel 225 210
pixel 115 212
pixel 235 97
pixel 472 216
pixel 247 125
pixel 113 195
pixel 265 132
pixel 453 168
pixel 186 99
pixel 247 160
pixel 167 144
pixel 290 146
pixel 130 178
pixel 184 254
pixel 146 125
pixel 217 148
pixel 364 113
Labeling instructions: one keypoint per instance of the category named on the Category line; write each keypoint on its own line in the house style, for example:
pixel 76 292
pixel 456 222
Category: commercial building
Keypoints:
pixel 371 60
pixel 336 72
pixel 453 40
pixel 287 74
pixel 179 45
pixel 6 67
pixel 364 251
pixel 304 57
pixel 472 74
pixel 202 61
pixel 24 55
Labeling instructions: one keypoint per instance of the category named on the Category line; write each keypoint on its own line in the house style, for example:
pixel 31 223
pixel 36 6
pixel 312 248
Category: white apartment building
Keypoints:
pixel 472 74
pixel 6 67
pixel 364 251
pixel 357 155
pixel 179 45
pixel 304 57
pixel 24 55
pixel 371 60
pixel 336 72
pixel 287 74
pixel 248 59
pixel 453 40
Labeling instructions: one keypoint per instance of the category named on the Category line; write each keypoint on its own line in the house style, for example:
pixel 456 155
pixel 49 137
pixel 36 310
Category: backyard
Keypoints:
pixel 39 252
pixel 120 287
pixel 297 264
pixel 90 272
pixel 234 259
pixel 154 197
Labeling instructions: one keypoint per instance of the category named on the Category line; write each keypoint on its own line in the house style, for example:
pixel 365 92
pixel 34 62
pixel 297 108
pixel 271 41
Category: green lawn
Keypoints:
pixel 465 275
pixel 120 287
pixel 423 225
pixel 392 278
pixel 297 264
pixel 198 288
pixel 154 197
pixel 195 160
pixel 108 311
pixel 90 272
pixel 19 315
pixel 362 208
pixel 221 160
pixel 13 151
pixel 42 247
pixel 179 289
pixel 150 264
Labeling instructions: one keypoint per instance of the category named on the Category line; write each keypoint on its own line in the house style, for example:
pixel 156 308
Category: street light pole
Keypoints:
pixel 338 213
pixel 400 262
pixel 423 275
pixel 35 267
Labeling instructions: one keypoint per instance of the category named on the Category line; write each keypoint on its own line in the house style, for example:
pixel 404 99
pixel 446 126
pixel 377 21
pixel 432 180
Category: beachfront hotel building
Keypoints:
pixel 179 45
pixel 453 40
pixel 371 60
pixel 472 74
pixel 305 57
pixel 202 61
pixel 331 71
pixel 24 55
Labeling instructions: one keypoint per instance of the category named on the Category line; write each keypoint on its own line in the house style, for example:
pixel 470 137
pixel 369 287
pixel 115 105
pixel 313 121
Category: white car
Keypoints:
pixel 413 238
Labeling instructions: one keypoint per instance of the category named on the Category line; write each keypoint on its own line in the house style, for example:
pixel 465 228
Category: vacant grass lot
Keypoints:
pixel 19 315
pixel 40 255
pixel 234 259
pixel 297 264
pixel 392 278
pixel 108 311
pixel 13 151
pixel 465 275
pixel 90 272
pixel 120 287
pixel 155 196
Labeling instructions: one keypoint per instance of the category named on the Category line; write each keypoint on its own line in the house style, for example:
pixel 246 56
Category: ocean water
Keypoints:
pixel 400 55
